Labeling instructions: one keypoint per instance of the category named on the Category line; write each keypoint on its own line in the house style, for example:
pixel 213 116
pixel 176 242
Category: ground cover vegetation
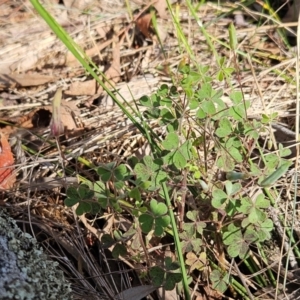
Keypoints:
pixel 171 171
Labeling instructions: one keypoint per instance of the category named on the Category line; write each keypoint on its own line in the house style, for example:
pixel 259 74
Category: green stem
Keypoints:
pixel 263 256
pixel 177 243
pixel 289 233
pixel 237 286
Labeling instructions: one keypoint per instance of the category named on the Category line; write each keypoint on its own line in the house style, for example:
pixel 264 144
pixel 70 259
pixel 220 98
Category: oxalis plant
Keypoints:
pixel 200 168
pixel 203 155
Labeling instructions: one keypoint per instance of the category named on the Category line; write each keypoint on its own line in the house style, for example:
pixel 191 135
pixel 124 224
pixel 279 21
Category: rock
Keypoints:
pixel 25 271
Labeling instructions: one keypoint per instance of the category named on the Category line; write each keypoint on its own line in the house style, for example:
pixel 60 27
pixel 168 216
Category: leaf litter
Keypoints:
pixel 32 59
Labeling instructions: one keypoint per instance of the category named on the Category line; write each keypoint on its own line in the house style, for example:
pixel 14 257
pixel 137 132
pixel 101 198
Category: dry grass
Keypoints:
pixel 101 133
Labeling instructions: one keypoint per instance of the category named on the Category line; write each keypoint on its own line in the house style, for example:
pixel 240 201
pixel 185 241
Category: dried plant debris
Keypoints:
pixel 7 177
pixel 26 272
pixel 91 130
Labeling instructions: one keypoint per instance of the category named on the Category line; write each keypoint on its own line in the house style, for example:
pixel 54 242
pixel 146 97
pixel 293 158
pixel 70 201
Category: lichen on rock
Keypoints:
pixel 25 271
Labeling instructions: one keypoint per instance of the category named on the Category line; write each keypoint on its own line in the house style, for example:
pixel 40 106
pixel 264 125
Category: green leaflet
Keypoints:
pixel 271 179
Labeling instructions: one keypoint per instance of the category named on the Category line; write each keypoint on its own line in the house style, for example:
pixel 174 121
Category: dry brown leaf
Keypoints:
pixel 89 102
pixel 71 60
pixel 19 17
pixel 77 5
pixel 143 24
pixel 40 118
pixel 257 43
pixel 136 88
pixel 23 64
pixel 79 88
pixel 5 10
pixel 7 176
pixel 211 294
pixel 161 7
pixel 113 73
pixel 102 30
pixel 24 80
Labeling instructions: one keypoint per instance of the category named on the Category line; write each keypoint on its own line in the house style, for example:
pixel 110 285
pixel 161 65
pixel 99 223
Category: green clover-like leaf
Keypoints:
pixel 135 194
pixel 160 224
pixel 208 107
pixel 84 192
pixel 238 244
pixel 171 141
pixel 72 193
pixel 120 172
pixel 219 280
pixel 103 201
pixel 157 178
pixel 225 161
pixel 283 152
pixel 104 174
pixel 192 215
pixel 205 91
pixel 71 201
pixel 181 155
pixel 189 229
pixel 119 250
pixel 239 248
pixel 201 113
pixel 232 189
pixel 107 241
pixel 238 112
pixel 157 275
pixel 219 198
pixel 262 202
pixel 197 244
pixel 171 265
pixel 166 101
pixel 95 207
pixel 232 235
pixel 83 207
pixel 256 215
pixel 224 128
pixel 146 101
pixel 99 189
pixel 179 160
pixel 158 208
pixel 142 172
pixel 163 90
pixel 148 168
pixel 147 222
pixel 171 280
pixel 236 97
pixel 246 205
